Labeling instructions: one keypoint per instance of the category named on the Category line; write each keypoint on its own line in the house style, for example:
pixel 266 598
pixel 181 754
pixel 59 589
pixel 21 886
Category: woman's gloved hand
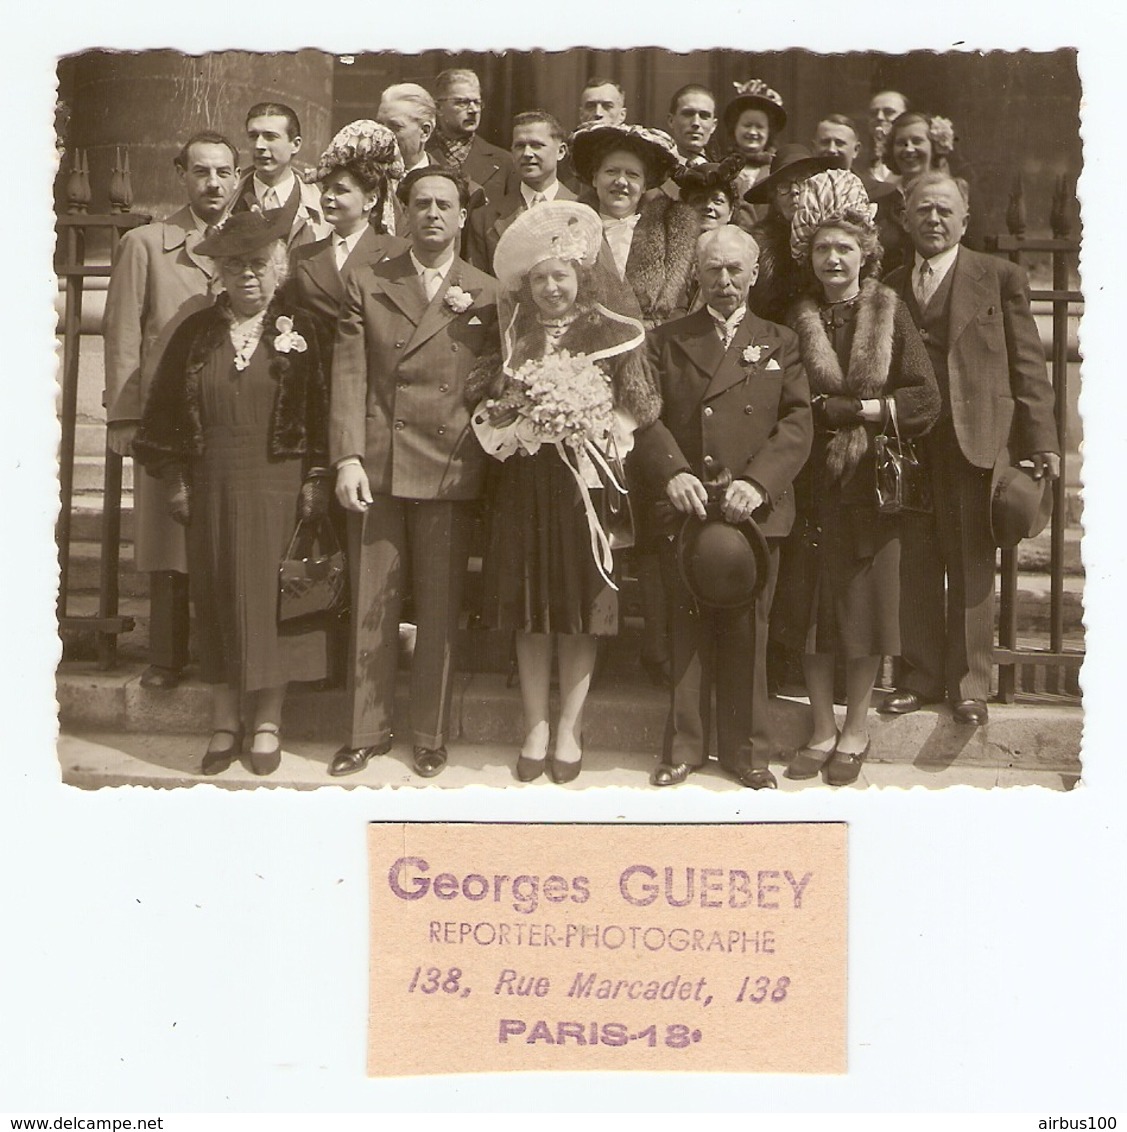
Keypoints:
pixel 179 494
pixel 313 502
pixel 835 411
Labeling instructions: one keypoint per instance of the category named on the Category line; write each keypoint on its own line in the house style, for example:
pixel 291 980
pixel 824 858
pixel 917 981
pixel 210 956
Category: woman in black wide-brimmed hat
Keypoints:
pixel 236 425
pixel 780 280
pixel 649 242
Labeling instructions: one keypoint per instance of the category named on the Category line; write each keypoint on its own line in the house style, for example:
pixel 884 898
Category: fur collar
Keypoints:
pixel 660 265
pixel 870 359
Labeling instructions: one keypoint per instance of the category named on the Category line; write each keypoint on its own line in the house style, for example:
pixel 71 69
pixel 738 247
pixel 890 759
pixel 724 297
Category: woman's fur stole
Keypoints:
pixel 171 432
pixel 870 360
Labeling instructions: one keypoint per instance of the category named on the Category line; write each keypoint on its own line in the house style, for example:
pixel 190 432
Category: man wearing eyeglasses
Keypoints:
pixel 455 143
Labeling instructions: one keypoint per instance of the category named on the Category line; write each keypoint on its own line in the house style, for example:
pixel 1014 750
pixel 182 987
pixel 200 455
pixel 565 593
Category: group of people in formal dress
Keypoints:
pixel 593 340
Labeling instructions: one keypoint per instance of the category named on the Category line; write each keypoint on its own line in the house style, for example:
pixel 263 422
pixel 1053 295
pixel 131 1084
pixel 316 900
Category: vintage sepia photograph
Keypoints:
pixel 572 418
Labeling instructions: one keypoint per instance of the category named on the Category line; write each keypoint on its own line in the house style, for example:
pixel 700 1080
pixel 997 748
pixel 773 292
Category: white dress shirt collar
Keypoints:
pixel 548 194
pixel 727 327
pixel 344 246
pixel 284 189
pixel 422 163
pixel 940 265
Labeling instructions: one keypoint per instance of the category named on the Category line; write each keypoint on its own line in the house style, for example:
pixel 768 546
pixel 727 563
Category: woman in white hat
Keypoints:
pixel 237 425
pixel 570 388
pixel 867 368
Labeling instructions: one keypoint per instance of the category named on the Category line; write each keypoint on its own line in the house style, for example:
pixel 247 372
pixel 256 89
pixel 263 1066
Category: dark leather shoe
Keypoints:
pixel 158 679
pixel 220 755
pixel 757 778
pixel 266 762
pixel 562 773
pixel 529 770
pixel 666 775
pixel 807 763
pixel 901 702
pixel 429 761
pixel 349 760
pixel 843 769
pixel 971 712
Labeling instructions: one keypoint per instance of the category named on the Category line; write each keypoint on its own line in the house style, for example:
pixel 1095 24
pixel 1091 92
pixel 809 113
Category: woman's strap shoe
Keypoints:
pixel 807 763
pixel 219 756
pixel 844 768
pixel 266 762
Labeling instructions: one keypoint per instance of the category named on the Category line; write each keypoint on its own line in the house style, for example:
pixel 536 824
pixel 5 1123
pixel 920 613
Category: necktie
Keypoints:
pixel 727 330
pixel 432 280
pixel 340 251
pixel 270 200
pixel 925 284
pixel 537 198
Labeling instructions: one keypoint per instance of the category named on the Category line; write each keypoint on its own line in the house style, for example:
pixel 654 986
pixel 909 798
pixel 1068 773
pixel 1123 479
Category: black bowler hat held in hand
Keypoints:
pixel 1020 506
pixel 723 565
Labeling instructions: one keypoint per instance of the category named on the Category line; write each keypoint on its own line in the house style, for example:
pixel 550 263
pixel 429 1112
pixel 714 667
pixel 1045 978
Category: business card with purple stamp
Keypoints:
pixel 498 947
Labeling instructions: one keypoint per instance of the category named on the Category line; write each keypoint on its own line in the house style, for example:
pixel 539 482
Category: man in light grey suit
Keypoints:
pixel 409 467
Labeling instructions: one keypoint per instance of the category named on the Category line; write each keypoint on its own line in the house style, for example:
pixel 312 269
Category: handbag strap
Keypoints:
pixel 309 531
pixel 891 402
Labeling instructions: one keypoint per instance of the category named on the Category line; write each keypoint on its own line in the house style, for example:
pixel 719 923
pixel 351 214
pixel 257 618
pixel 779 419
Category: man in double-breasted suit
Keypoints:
pixel 408 464
pixel 538 148
pixel 158 280
pixel 735 399
pixel 973 314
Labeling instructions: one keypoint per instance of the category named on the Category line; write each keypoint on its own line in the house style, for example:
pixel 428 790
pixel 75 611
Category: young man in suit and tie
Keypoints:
pixel 538 148
pixel 274 133
pixel 734 400
pixel 974 317
pixel 409 467
pixel 156 282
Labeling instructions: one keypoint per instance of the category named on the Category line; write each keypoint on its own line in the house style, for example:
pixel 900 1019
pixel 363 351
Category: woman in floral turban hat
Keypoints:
pixel 869 374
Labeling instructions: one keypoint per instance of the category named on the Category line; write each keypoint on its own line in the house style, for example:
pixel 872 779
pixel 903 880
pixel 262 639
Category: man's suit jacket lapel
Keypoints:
pixel 731 370
pixel 180 232
pixel 967 294
pixel 401 284
pixel 700 343
pixel 437 313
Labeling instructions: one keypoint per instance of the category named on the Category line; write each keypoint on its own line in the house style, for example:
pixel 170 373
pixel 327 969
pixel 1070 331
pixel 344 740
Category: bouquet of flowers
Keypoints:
pixel 559 397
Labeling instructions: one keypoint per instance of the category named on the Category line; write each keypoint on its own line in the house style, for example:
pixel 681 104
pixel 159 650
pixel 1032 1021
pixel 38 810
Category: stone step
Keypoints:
pixel 86 516
pixel 90 473
pixel 621 716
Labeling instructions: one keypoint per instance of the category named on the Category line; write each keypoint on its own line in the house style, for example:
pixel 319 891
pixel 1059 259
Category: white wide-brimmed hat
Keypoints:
pixel 560 229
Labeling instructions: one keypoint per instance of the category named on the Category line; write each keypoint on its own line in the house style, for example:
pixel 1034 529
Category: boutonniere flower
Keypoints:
pixel 457 299
pixel 751 355
pixel 288 339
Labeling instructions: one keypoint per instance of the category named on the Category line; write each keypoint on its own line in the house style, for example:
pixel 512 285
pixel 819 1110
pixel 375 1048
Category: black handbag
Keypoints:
pixel 903 483
pixel 313 576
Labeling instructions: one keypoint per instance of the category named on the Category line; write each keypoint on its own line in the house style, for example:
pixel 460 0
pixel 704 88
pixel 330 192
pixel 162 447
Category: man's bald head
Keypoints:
pixel 727 266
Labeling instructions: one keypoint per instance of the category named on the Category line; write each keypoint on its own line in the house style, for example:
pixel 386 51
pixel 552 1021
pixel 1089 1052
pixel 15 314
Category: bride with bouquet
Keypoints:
pixel 559 410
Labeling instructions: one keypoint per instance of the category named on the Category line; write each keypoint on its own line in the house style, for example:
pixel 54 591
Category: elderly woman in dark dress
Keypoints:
pixel 865 362
pixel 236 425
pixel 548 571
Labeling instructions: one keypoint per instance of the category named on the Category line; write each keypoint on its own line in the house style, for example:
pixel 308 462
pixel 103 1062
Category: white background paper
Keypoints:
pixel 205 950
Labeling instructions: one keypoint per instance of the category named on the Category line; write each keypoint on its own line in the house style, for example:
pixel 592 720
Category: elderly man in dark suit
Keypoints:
pixel 158 279
pixel 973 314
pixel 409 467
pixel 538 147
pixel 735 400
pixel 456 144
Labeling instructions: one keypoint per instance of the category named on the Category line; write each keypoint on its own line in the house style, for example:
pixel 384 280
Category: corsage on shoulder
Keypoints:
pixel 287 338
